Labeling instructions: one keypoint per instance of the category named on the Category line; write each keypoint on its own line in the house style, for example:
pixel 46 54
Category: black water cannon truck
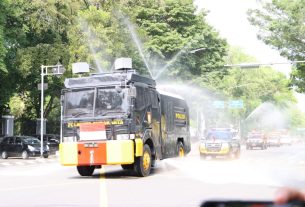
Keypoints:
pixel 120 118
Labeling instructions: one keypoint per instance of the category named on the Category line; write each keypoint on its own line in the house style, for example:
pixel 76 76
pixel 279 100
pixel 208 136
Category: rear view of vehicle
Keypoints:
pixel 286 140
pixel 274 140
pixel 256 140
pixel 220 142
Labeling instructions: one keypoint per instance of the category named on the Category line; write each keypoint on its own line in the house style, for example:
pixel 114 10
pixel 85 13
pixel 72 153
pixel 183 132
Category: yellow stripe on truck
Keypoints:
pixel 120 152
pixel 68 153
pixel 139 147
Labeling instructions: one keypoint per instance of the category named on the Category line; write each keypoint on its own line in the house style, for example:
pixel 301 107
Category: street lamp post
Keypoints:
pixel 57 69
pixel 257 65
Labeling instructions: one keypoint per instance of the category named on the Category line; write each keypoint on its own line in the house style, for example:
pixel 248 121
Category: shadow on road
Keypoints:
pixel 118 174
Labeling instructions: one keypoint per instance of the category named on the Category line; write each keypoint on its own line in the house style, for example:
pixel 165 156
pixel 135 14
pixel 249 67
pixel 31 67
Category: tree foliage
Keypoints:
pixel 173 30
pixel 254 86
pixel 35 35
pixel 281 25
pixel 165 38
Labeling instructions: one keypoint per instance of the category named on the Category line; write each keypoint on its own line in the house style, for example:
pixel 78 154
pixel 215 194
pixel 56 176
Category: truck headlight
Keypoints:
pixel 225 145
pixel 125 136
pixel 31 148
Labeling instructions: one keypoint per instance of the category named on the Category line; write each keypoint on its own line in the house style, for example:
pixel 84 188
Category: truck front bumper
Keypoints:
pixel 108 152
pixel 206 151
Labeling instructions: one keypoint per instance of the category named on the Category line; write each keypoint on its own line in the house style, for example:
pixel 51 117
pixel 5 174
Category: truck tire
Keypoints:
pixel 4 155
pixel 180 149
pixel 128 167
pixel 143 163
pixel 85 170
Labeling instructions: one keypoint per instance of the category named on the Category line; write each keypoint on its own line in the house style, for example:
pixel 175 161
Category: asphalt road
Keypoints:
pixel 174 182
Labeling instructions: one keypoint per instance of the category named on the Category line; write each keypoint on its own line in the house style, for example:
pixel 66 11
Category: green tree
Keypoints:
pixel 168 30
pixel 3 5
pixel 35 35
pixel 281 25
pixel 173 29
pixel 6 85
pixel 296 118
pixel 39 33
pixel 253 86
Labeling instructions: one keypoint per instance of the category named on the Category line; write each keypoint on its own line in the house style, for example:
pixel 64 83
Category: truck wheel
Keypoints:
pixel 143 163
pixel 25 155
pixel 180 149
pixel 128 167
pixel 85 170
pixel 4 155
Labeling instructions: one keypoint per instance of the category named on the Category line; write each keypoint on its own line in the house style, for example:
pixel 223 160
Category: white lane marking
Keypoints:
pixel 6 164
pixel 28 162
pixel 31 170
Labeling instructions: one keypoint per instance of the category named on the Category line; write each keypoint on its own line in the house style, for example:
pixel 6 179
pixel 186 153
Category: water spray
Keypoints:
pixel 90 36
pixel 137 41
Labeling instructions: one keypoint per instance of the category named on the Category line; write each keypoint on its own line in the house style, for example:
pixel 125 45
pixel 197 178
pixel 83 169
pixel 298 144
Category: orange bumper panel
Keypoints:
pixel 97 153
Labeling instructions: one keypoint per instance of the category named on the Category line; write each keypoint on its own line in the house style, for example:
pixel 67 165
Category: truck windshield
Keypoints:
pixel 110 101
pixel 79 103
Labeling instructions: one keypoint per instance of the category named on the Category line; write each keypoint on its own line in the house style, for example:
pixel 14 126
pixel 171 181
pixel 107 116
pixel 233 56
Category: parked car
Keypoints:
pixel 256 140
pixel 52 140
pixel 24 146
